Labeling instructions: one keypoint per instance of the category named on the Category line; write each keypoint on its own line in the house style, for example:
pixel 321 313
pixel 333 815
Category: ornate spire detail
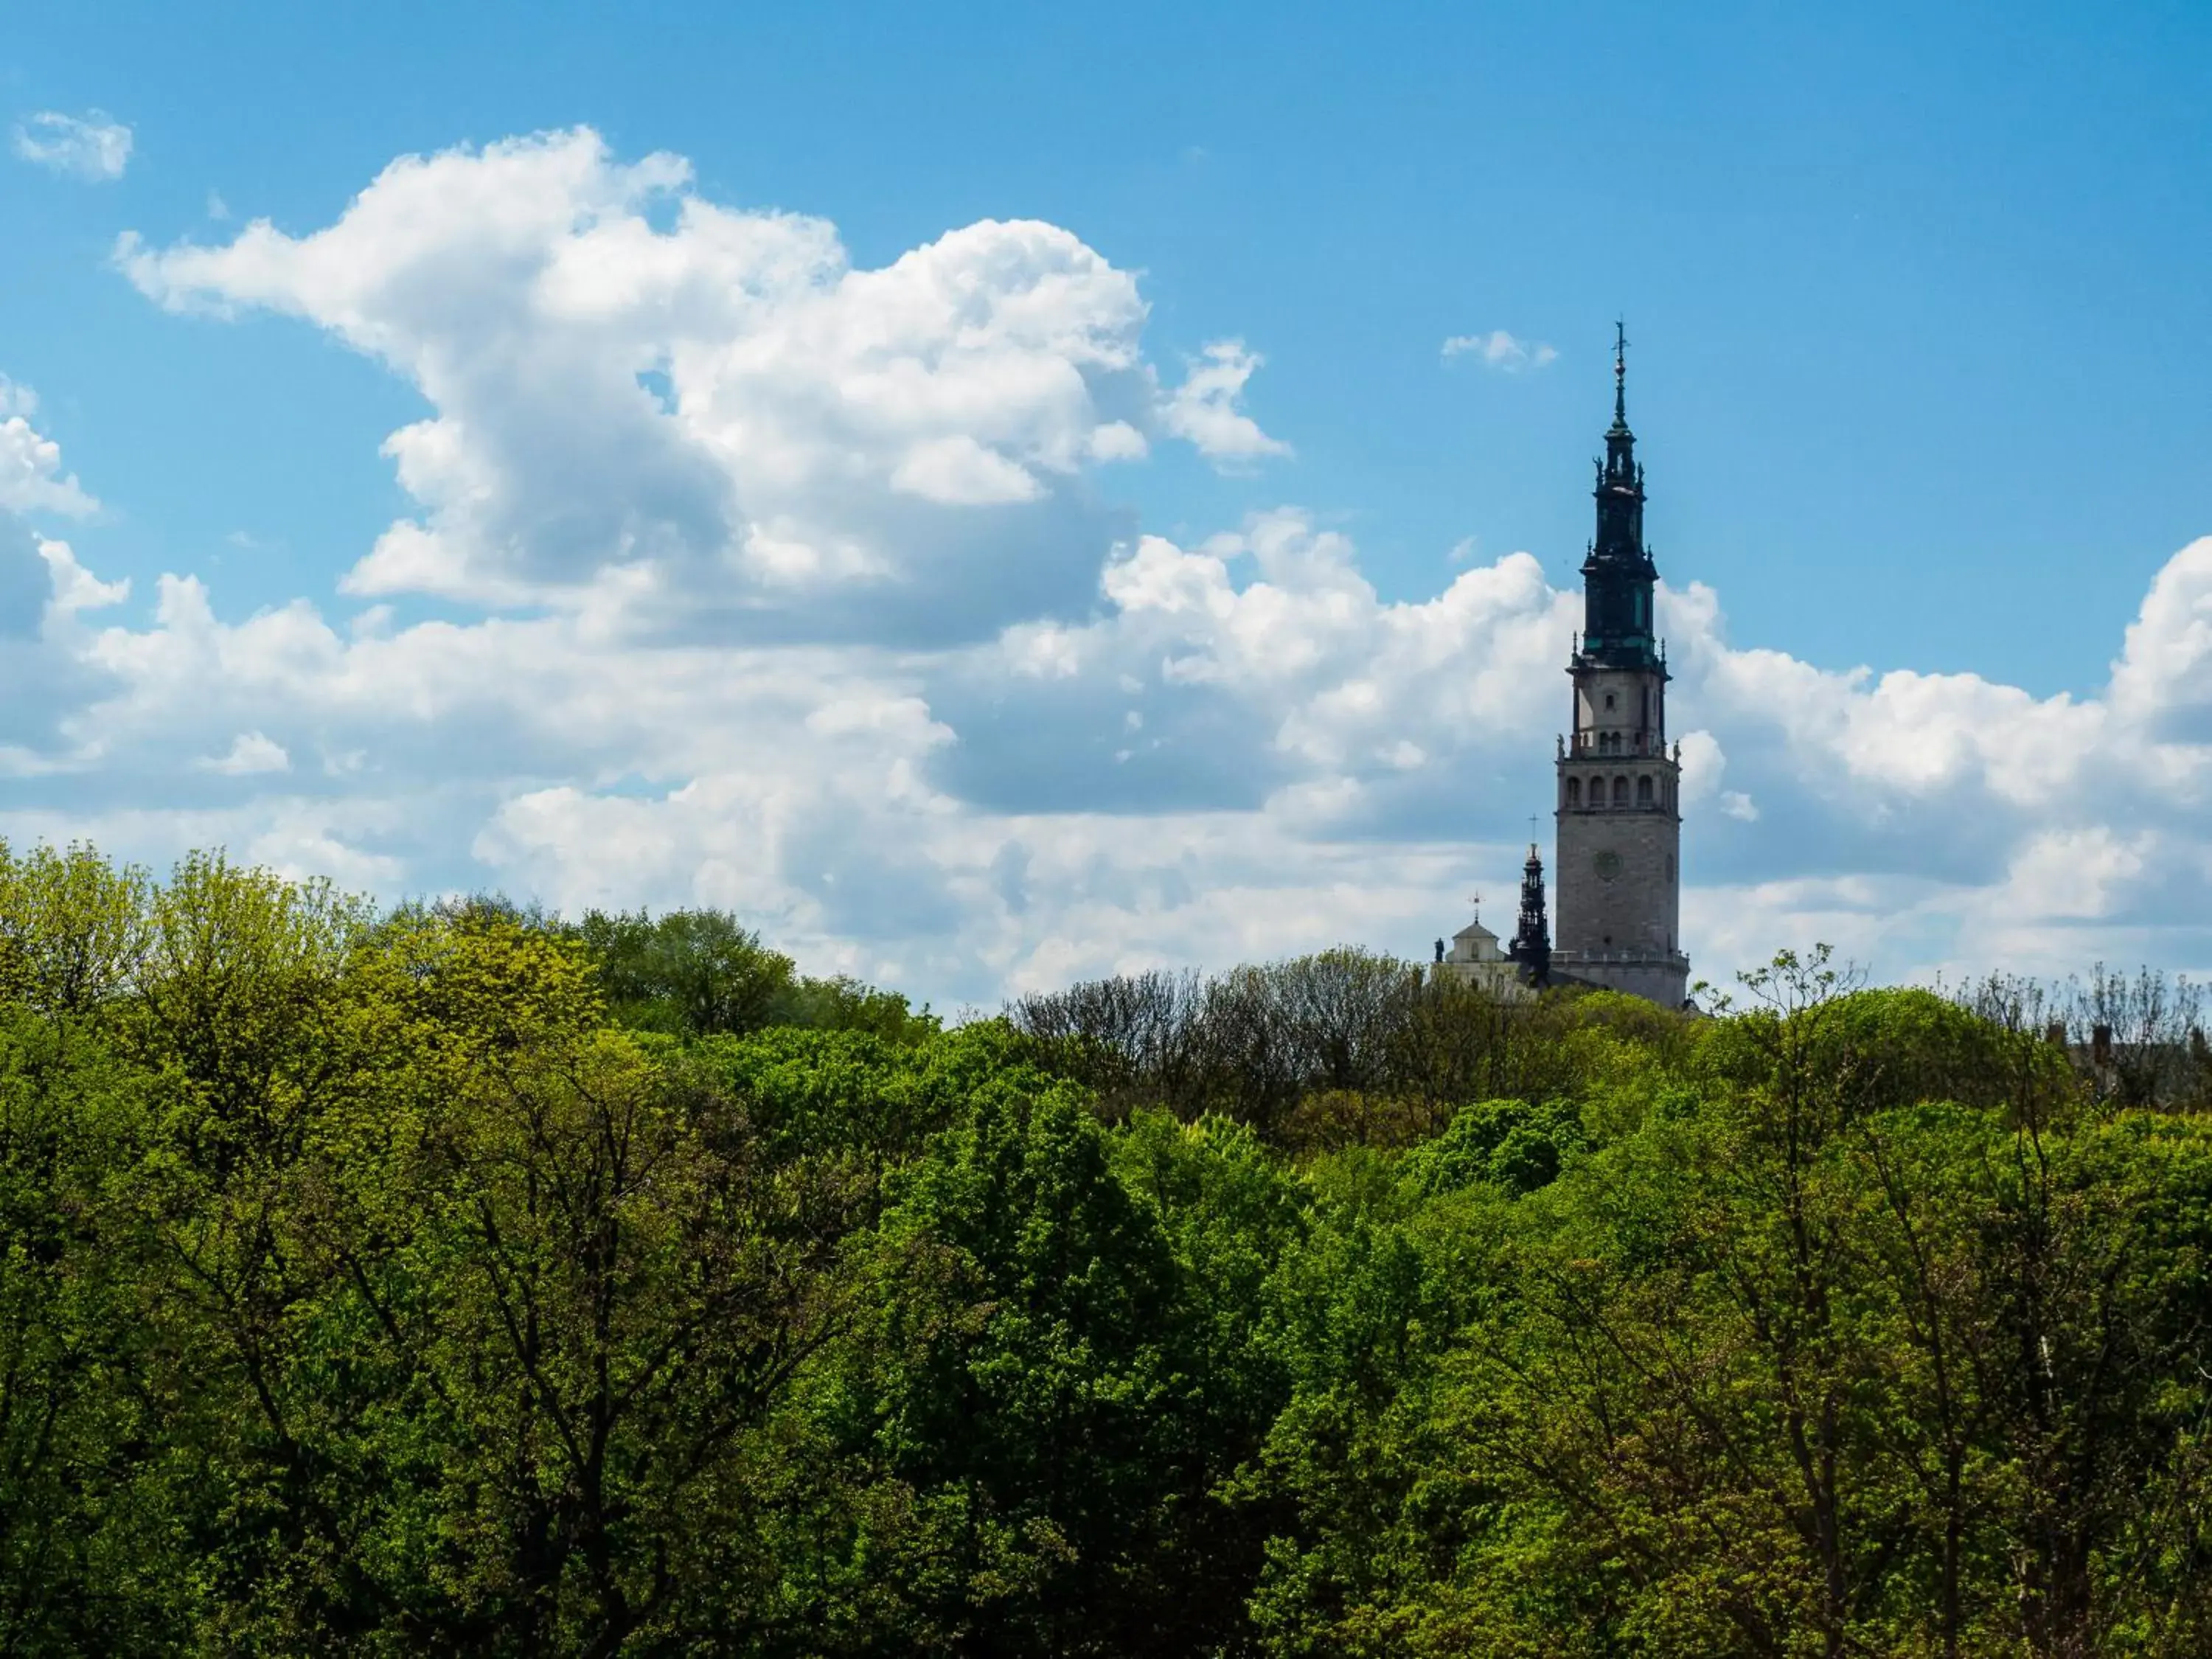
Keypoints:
pixel 1620 466
pixel 1618 575
pixel 1532 939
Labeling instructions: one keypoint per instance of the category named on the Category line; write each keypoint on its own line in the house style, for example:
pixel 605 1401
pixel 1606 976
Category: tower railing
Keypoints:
pixel 1650 745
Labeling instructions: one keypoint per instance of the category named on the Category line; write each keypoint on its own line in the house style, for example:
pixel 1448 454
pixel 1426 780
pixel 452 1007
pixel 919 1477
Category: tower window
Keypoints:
pixel 1643 791
pixel 1620 792
pixel 1608 699
pixel 1574 792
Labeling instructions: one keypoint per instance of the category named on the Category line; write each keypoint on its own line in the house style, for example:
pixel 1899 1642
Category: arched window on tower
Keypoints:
pixel 1643 790
pixel 1620 792
pixel 1574 793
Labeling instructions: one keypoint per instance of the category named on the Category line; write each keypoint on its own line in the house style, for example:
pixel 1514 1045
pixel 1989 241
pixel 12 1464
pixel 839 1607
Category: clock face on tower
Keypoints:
pixel 1606 863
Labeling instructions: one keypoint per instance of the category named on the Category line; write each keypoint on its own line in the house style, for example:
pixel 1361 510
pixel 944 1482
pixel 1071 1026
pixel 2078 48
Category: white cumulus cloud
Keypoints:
pixel 31 476
pixel 250 753
pixel 91 146
pixel 1500 351
pixel 712 407
pixel 1205 409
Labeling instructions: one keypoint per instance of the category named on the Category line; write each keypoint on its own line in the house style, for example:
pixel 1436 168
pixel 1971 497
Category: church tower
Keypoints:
pixel 1616 870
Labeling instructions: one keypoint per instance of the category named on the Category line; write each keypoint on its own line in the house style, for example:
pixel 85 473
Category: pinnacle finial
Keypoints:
pixel 1619 372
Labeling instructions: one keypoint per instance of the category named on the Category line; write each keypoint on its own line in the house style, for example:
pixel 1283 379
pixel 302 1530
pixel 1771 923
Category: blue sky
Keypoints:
pixel 1921 345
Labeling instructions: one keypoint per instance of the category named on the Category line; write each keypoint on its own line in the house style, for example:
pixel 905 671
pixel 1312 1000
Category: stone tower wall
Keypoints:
pixel 1616 872
pixel 1618 881
pixel 1666 982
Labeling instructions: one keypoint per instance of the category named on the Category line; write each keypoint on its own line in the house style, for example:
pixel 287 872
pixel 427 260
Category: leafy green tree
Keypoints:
pixel 1365 1315
pixel 1031 1390
pixel 1511 1145
pixel 80 1571
pixel 695 971
pixel 700 973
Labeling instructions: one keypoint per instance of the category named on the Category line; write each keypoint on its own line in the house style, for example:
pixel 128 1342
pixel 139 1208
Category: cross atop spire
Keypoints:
pixel 1620 374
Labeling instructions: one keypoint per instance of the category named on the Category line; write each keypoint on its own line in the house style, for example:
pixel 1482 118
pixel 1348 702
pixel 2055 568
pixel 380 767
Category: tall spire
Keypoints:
pixel 1618 575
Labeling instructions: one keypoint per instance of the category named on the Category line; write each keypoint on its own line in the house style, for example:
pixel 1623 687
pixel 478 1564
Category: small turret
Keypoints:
pixel 1532 941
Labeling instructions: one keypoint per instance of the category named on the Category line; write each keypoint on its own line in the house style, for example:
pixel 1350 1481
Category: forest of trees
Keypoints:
pixel 460 1278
